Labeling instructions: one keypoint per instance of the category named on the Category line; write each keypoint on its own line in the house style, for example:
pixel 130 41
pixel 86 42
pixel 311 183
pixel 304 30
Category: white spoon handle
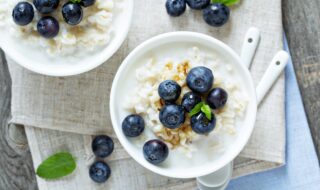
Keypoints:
pixel 250 45
pixel 277 65
pixel 217 180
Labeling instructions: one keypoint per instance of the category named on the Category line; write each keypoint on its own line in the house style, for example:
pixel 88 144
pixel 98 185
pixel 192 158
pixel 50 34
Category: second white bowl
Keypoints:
pixel 39 61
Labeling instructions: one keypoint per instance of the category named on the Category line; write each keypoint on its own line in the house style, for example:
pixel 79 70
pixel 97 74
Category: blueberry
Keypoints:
pixel 169 103
pixel 200 79
pixel 155 151
pixel 198 4
pixel 217 98
pixel 23 13
pixel 72 13
pixel 133 125
pixel 87 3
pixel 46 6
pixel 216 14
pixel 169 90
pixel 48 27
pixel 189 100
pixel 172 116
pixel 176 7
pixel 201 124
pixel 102 146
pixel 99 172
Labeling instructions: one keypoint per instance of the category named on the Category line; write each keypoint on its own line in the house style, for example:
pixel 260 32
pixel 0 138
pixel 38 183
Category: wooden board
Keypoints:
pixel 15 159
pixel 302 27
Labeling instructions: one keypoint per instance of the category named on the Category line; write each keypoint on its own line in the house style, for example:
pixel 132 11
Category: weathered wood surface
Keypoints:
pixel 302 26
pixel 16 169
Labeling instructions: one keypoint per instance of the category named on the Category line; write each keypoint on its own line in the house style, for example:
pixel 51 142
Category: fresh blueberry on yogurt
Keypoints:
pixel 190 100
pixel 201 124
pixel 87 3
pixel 23 13
pixel 102 146
pixel 72 13
pixel 198 4
pixel 216 14
pixel 48 27
pixel 172 116
pixel 133 125
pixel 176 7
pixel 169 90
pixel 155 151
pixel 200 79
pixel 217 98
pixel 46 6
pixel 99 172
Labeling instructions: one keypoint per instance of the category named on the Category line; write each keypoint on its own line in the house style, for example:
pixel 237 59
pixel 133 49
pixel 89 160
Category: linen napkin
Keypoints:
pixel 79 104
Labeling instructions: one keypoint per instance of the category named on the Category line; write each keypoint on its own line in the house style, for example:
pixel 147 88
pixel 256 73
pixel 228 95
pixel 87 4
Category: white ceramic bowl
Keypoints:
pixel 40 62
pixel 123 82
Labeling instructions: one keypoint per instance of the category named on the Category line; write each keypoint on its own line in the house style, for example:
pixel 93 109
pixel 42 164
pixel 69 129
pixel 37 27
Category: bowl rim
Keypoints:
pixel 99 59
pixel 122 138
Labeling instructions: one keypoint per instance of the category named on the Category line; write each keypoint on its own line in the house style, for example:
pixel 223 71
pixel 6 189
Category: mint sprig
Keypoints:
pixel 75 1
pixel 207 111
pixel 196 109
pixel 56 166
pixel 226 2
pixel 203 108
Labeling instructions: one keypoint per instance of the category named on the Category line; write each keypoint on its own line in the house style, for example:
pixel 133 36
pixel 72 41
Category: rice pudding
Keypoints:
pixel 93 32
pixel 185 145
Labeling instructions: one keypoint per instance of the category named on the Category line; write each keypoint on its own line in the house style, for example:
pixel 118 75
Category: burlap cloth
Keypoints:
pixel 77 107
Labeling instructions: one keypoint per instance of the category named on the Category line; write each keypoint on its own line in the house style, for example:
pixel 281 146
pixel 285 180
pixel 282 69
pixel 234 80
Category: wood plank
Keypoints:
pixel 301 23
pixel 15 158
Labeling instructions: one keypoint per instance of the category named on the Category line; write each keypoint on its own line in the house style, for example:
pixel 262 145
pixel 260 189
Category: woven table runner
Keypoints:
pixel 61 113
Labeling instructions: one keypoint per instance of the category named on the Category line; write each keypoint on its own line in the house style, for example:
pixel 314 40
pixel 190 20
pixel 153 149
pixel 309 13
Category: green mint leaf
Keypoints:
pixel 75 1
pixel 226 2
pixel 56 166
pixel 196 109
pixel 207 111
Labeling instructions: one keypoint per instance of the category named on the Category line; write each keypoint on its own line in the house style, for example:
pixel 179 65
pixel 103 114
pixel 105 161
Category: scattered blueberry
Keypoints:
pixel 133 125
pixel 87 3
pixel 48 27
pixel 72 13
pixel 217 98
pixel 46 6
pixel 200 79
pixel 176 7
pixel 169 90
pixel 155 151
pixel 216 14
pixel 201 124
pixel 172 116
pixel 23 13
pixel 102 146
pixel 198 4
pixel 189 100
pixel 99 171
